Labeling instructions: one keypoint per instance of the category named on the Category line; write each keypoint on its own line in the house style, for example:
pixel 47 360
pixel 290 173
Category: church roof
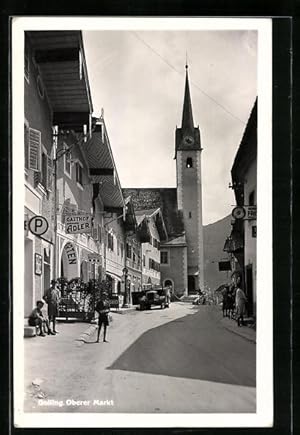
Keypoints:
pixel 187 114
pixel 147 212
pixel 187 137
pixel 163 198
pixel 177 241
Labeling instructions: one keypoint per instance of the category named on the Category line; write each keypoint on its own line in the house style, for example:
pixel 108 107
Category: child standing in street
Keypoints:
pixel 103 308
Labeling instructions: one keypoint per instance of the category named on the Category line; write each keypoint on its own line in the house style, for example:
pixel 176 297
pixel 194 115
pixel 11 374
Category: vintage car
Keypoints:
pixel 152 297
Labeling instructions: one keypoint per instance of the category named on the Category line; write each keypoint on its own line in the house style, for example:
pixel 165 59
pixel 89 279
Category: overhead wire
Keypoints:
pixel 193 83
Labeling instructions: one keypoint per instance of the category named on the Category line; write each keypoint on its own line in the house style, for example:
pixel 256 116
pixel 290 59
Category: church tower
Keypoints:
pixel 189 190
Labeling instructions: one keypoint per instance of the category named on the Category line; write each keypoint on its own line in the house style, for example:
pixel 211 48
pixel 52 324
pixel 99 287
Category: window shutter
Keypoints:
pixel 49 174
pixel 34 150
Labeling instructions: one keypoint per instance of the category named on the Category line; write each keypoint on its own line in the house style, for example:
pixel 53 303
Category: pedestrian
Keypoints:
pixel 167 296
pixel 225 301
pixel 102 307
pixel 240 302
pixel 52 298
pixel 37 318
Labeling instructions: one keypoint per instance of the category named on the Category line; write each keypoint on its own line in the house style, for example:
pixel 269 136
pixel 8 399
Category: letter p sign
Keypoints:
pixel 38 225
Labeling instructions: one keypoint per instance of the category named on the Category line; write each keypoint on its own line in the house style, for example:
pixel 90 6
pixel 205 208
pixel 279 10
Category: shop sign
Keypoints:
pixel 246 212
pixel 238 212
pixel 71 253
pixel 38 264
pixel 38 225
pixel 78 223
pixel 251 212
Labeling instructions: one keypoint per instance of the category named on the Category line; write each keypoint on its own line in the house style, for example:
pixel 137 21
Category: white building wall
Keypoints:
pixel 115 258
pixel 150 251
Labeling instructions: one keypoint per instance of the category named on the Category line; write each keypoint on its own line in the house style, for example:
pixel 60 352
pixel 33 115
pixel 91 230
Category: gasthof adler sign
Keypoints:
pixel 79 223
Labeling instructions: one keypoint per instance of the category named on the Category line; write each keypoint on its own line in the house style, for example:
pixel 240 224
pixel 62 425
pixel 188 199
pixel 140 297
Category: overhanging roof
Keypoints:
pixel 61 60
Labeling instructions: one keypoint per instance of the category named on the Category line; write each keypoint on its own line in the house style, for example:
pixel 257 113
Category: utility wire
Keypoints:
pixel 193 83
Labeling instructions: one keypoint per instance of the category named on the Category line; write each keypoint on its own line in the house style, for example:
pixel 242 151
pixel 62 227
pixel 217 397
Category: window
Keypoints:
pixel 79 173
pixel 128 250
pixel 164 258
pixel 144 260
pixel 118 247
pixel 252 198
pixel 67 159
pixel 153 265
pixel 189 162
pixel 95 232
pixel 122 249
pixel 133 257
pixel 110 242
pixel 44 174
pixel 190 214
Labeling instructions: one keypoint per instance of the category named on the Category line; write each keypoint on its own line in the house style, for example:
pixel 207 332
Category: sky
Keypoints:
pixel 138 78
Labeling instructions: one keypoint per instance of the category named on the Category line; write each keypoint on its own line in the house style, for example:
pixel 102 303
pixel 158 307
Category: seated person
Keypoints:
pixel 37 318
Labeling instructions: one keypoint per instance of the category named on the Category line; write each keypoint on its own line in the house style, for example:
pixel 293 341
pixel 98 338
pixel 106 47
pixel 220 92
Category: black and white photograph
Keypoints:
pixel 145 278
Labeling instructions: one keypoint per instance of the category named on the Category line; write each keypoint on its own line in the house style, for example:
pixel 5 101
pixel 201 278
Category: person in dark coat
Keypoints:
pixel 102 307
pixel 52 298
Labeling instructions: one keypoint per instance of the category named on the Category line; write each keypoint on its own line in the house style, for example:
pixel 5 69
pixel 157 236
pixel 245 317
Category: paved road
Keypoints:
pixel 177 360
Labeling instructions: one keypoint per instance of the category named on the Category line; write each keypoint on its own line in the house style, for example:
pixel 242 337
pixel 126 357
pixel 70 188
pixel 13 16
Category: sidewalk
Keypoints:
pixel 244 331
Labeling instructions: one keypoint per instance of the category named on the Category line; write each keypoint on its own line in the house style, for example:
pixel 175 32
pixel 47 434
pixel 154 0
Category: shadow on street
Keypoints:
pixel 194 346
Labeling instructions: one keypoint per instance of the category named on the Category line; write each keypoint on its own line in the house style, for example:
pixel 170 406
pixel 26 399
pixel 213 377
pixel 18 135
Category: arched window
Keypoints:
pixel 189 162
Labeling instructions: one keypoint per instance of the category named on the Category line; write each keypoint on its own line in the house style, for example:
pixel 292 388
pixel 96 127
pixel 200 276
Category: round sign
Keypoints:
pixel 38 225
pixel 238 212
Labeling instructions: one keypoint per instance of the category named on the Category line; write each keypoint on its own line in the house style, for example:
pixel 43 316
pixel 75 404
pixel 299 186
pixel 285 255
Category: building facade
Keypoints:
pixel 241 243
pixel 49 58
pixel 152 231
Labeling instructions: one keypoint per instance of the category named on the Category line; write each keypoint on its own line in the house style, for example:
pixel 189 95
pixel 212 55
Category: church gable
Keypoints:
pixel 163 198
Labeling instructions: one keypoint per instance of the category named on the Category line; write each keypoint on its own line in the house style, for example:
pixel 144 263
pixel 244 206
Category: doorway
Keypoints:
pixel 28 278
pixel 191 284
pixel 47 278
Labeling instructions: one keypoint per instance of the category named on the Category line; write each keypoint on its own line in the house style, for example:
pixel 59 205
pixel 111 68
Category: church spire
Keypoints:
pixel 187 114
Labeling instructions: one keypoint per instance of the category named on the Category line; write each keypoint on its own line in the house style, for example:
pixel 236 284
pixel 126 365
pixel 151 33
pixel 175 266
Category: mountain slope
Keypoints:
pixel 214 236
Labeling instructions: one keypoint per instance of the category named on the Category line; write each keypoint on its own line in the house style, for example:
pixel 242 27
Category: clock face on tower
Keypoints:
pixel 188 140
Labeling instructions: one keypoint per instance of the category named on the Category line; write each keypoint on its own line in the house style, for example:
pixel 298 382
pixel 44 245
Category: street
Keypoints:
pixel 177 360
